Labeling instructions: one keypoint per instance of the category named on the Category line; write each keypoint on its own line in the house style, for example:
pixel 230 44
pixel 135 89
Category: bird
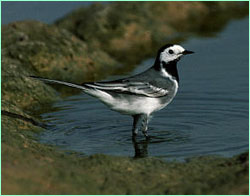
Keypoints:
pixel 142 94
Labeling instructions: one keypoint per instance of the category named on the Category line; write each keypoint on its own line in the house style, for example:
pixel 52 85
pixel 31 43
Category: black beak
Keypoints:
pixel 187 52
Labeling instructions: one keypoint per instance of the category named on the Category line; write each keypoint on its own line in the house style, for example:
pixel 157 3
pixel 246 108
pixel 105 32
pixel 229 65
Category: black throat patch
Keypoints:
pixel 170 68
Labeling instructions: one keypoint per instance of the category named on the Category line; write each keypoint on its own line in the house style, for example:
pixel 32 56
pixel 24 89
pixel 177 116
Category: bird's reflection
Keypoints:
pixel 161 136
pixel 141 148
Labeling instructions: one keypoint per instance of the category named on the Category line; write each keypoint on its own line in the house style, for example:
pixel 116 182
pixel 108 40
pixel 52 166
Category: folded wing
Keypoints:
pixel 136 88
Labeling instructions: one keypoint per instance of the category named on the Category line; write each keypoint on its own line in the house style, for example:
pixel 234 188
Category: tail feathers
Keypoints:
pixel 59 82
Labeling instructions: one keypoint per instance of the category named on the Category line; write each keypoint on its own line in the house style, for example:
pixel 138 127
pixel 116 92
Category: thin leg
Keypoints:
pixel 135 125
pixel 144 126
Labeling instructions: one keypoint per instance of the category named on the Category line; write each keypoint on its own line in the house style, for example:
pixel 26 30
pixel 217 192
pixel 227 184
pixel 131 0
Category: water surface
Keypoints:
pixel 209 115
pixel 45 11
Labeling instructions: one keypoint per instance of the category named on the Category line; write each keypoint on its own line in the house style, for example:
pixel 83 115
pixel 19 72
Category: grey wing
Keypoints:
pixel 130 87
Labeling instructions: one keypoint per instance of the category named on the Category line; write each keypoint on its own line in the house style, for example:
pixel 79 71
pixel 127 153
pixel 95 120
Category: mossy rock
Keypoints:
pixel 34 48
pixel 131 31
pixel 53 52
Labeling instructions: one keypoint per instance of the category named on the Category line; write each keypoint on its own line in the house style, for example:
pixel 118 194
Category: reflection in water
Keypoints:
pixel 155 138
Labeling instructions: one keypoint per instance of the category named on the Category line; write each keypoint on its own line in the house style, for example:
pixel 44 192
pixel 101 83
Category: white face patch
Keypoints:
pixel 171 53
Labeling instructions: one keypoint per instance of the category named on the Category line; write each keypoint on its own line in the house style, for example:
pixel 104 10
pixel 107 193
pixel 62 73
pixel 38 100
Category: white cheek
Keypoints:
pixel 169 57
pixel 165 57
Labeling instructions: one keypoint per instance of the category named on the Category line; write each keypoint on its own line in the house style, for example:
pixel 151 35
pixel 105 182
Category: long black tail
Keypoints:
pixel 59 82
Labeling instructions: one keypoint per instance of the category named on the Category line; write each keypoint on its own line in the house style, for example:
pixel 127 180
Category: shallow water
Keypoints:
pixel 209 115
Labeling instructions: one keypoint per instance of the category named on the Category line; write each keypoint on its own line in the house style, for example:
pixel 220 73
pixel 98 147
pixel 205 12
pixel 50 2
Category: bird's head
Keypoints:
pixel 171 53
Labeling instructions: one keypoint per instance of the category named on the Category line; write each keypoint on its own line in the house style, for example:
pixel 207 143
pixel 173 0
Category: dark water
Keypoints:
pixel 209 115
pixel 46 11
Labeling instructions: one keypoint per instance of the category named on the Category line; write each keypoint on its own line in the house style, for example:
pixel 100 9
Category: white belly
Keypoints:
pixel 140 105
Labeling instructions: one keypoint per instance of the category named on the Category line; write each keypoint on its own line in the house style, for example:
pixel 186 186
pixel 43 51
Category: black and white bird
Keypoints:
pixel 142 94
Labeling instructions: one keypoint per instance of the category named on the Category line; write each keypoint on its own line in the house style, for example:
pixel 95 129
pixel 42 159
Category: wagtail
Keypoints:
pixel 142 94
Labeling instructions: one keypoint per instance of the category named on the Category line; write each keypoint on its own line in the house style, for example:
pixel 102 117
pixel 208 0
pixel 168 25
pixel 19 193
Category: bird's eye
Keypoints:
pixel 170 51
